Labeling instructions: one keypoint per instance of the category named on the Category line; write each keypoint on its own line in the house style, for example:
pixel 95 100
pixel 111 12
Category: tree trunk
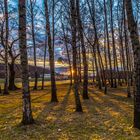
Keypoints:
pixel 68 55
pixel 5 92
pixel 34 45
pixel 108 44
pixel 127 53
pixel 84 57
pixel 132 26
pixel 44 63
pixel 74 51
pixel 96 47
pixel 27 112
pixel 0 89
pixel 79 66
pixel 116 69
pixel 12 85
pixel 51 56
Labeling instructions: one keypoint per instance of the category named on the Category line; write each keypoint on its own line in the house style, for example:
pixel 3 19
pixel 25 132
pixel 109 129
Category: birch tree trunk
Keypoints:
pixel 27 112
pixel 84 57
pixel 34 45
pixel 74 55
pixel 44 63
pixel 51 55
pixel 6 48
pixel 108 44
pixel 68 54
pixel 132 26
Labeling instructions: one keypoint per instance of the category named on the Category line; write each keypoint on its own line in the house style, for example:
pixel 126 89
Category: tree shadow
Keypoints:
pixel 114 103
pixel 14 109
pixel 54 110
pixel 104 115
pixel 65 99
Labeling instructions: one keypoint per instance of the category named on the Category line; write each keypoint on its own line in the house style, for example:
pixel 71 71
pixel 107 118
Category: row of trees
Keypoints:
pixel 98 35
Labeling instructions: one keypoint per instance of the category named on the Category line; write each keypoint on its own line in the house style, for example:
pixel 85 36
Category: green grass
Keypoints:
pixel 46 83
pixel 105 117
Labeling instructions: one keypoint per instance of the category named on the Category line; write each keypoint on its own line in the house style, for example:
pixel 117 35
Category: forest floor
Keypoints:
pixel 105 117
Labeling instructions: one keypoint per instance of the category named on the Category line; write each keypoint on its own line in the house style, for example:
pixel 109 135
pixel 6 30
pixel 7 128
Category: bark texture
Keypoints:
pixel 136 50
pixel 5 92
pixel 51 56
pixel 84 57
pixel 27 112
pixel 74 55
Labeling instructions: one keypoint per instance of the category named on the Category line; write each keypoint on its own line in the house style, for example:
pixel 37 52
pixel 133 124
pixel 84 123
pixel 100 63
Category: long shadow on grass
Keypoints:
pixel 65 100
pixel 54 110
pixel 107 113
pixel 113 94
pixel 20 105
pixel 114 104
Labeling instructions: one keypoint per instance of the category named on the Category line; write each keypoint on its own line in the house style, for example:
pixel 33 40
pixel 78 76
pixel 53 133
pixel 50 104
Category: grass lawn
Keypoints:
pixel 46 83
pixel 105 117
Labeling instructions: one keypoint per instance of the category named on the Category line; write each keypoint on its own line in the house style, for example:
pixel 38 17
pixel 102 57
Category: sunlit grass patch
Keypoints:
pixel 105 116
